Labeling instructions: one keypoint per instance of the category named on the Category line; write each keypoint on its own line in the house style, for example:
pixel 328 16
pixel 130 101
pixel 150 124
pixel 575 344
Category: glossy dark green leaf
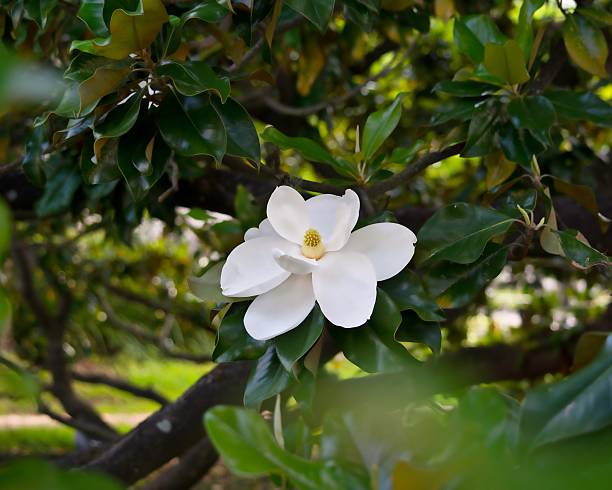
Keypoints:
pixel 372 346
pixel 233 341
pixel 192 127
pixel 506 62
pixel 459 109
pixel 579 252
pixel 582 106
pixel 407 292
pixel 414 329
pixel 577 405
pixel 524 34
pixel 473 32
pixel 242 139
pixel 525 198
pixel 209 11
pixel 316 11
pixel 404 155
pixel 535 113
pixel 588 347
pixel 596 15
pixel 142 158
pixel 585 44
pixel 464 88
pixel 456 285
pixel 379 126
pixel 292 345
pixel 309 149
pixel 120 120
pixel 194 77
pixel 63 180
pixel 481 132
pixel 267 378
pixel 459 232
pixel 39 10
pixel 514 146
pixel 92 13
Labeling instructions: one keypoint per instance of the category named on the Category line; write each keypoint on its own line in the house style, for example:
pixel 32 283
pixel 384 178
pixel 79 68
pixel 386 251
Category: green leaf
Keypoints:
pixel 207 11
pixel 62 182
pixel 207 287
pixel 577 405
pixel 143 158
pixel 459 232
pixel 194 77
pixel 102 170
pixel 414 329
pixel 6 229
pixel 118 121
pixel 130 31
pixel 309 149
pixel 291 346
pixel 499 169
pixel 242 139
pixel 524 34
pixel 233 342
pixel 92 13
pixel 596 15
pixel 38 10
pixel 473 32
pixel 586 45
pixel 248 448
pixel 581 105
pixel 514 145
pixel 379 126
pixel 481 132
pixel 372 346
pixel 506 62
pixel 579 252
pixel 464 88
pixel 267 378
pixel 6 311
pixel 191 127
pixel 316 11
pixel 459 109
pixel 33 165
pixel 103 81
pixel 407 292
pixel 456 285
pixel 535 113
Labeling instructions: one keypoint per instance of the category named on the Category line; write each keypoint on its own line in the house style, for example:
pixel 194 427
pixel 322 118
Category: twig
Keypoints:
pixel 120 384
pixel 81 425
pixel 415 168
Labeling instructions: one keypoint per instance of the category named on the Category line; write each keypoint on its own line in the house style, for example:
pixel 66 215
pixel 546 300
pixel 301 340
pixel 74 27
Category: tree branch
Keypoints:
pixel 415 168
pixel 120 384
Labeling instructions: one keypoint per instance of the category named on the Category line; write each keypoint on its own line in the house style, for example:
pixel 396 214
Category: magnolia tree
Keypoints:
pixel 383 221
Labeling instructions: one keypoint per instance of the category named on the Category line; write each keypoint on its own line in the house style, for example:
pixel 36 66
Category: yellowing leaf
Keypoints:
pixel 506 62
pixel 549 240
pixel 499 168
pixel 102 82
pixel 310 65
pixel 586 45
pixel 396 5
pixel 406 476
pixel 271 27
pixel 444 9
pixel 130 31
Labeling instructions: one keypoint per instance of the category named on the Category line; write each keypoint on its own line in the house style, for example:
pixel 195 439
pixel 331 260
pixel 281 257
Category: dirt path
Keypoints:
pixel 15 421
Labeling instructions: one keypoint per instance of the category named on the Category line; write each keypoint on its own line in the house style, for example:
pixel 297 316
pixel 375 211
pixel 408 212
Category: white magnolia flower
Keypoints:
pixel 303 253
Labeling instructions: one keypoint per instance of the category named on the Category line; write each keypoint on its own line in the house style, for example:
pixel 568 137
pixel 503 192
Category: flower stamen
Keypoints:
pixel 312 245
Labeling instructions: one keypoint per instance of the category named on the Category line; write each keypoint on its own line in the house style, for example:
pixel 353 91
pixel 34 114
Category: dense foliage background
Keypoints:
pixel 139 140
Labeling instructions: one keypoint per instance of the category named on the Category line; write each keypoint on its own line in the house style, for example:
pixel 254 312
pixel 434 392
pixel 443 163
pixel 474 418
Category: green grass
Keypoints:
pixel 33 440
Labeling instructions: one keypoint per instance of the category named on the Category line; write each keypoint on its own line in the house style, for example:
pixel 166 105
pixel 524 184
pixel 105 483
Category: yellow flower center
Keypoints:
pixel 312 246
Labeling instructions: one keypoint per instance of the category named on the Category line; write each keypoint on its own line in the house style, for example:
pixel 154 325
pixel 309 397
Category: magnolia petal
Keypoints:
pixel 281 309
pixel 295 262
pixel 264 229
pixel 250 268
pixel 334 217
pixel 389 246
pixel 345 288
pixel 288 214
